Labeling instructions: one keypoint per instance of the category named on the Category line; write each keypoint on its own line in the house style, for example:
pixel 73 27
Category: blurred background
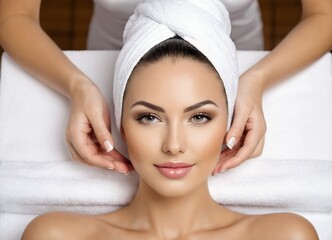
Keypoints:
pixel 67 21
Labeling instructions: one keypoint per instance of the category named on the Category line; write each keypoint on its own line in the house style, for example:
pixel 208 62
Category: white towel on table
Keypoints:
pixel 72 186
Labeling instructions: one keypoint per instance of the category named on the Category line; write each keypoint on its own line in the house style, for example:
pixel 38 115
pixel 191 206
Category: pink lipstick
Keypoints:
pixel 174 170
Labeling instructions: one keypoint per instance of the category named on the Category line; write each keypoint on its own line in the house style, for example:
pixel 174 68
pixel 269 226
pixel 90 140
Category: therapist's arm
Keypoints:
pixel 308 41
pixel 22 37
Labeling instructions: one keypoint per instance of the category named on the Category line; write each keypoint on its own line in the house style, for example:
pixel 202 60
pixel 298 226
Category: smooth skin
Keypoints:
pixel 88 128
pixel 164 130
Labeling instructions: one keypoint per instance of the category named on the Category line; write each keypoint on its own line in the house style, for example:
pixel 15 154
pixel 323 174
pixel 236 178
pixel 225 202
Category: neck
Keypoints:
pixel 178 215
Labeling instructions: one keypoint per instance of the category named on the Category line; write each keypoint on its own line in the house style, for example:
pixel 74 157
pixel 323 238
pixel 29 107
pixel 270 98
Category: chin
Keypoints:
pixel 173 188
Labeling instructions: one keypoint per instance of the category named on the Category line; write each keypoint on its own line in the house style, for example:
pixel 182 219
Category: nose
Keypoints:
pixel 174 142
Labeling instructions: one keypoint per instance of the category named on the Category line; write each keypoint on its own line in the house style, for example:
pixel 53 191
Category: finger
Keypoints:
pixel 250 143
pixel 228 153
pixel 241 117
pixel 259 149
pixel 216 169
pixel 74 154
pixel 100 129
pixel 121 164
pixel 87 150
pixel 113 160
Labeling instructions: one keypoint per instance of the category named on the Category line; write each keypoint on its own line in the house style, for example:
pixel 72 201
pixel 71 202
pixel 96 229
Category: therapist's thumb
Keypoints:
pixel 236 130
pixel 102 133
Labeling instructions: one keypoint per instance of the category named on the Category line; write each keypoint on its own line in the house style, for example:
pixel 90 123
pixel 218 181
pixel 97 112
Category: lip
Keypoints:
pixel 174 170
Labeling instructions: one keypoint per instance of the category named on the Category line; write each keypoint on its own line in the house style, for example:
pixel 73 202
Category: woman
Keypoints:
pixel 22 37
pixel 173 109
pixel 166 148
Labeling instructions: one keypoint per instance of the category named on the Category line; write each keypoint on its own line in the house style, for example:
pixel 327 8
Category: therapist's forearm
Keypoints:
pixel 24 40
pixel 308 41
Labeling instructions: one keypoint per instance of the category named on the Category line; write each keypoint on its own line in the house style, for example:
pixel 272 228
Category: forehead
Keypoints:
pixel 175 78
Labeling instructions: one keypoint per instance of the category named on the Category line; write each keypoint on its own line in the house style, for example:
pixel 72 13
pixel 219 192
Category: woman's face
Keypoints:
pixel 174 122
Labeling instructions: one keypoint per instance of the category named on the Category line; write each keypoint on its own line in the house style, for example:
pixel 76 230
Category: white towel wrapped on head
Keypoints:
pixel 204 24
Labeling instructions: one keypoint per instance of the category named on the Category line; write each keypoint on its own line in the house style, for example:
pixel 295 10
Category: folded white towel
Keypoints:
pixel 66 186
pixel 204 24
pixel 70 186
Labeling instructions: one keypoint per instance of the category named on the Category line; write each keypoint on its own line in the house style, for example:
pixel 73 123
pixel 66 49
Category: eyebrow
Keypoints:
pixel 148 105
pixel 200 104
pixel 187 109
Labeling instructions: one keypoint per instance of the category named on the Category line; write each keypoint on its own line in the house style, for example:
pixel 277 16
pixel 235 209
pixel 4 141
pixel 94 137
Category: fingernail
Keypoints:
pixel 108 146
pixel 231 142
pixel 110 166
pixel 123 172
pixel 223 170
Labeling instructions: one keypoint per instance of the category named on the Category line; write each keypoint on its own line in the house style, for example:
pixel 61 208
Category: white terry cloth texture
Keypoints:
pixel 37 175
pixel 155 21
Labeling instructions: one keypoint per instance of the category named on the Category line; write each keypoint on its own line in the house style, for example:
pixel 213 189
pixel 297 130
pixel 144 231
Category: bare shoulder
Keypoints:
pixel 282 226
pixel 61 225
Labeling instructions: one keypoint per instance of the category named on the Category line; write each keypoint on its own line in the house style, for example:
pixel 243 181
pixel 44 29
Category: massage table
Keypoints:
pixel 294 173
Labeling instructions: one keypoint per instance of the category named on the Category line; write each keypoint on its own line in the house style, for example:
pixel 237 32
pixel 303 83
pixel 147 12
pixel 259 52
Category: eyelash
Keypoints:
pixel 207 117
pixel 143 118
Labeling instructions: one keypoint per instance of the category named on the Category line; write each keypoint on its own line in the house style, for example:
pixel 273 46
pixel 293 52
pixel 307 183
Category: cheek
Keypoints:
pixel 208 144
pixel 142 143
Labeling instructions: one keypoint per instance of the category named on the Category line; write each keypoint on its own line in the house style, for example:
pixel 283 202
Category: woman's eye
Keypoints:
pixel 201 118
pixel 148 119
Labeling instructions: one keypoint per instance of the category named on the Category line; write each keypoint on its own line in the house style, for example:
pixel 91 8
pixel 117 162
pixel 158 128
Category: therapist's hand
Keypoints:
pixel 88 138
pixel 245 138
